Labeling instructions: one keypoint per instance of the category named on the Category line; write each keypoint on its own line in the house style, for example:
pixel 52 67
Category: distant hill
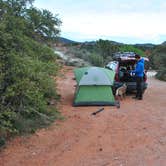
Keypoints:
pixel 147 45
pixel 164 43
pixel 94 42
pixel 63 40
pixel 66 41
pixel 89 42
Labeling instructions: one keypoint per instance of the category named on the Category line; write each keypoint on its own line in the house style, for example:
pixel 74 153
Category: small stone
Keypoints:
pixel 34 153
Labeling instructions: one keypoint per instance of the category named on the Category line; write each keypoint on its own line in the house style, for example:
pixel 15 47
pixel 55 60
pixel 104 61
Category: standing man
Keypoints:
pixel 139 73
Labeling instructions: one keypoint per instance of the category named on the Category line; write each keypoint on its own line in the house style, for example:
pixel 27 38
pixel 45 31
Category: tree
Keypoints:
pixel 158 61
pixel 26 67
pixel 130 48
pixel 106 48
pixel 43 24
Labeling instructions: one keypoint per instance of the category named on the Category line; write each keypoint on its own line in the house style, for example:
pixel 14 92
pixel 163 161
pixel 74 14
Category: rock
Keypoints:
pixel 100 149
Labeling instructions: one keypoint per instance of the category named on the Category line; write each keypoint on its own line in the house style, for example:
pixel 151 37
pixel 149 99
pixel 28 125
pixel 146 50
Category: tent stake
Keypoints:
pixel 94 113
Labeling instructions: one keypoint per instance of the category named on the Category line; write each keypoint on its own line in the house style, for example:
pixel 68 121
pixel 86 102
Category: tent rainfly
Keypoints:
pixel 94 86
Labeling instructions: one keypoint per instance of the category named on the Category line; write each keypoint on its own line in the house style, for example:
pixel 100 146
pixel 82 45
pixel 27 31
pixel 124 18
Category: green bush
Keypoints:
pixel 96 60
pixel 161 74
pixel 27 66
pixel 130 48
pixel 158 61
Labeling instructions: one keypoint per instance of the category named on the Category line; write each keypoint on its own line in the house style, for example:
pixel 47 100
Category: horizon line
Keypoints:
pixel 94 40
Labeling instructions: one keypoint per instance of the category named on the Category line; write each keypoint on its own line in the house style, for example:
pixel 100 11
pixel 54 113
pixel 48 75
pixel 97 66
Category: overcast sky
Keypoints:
pixel 127 21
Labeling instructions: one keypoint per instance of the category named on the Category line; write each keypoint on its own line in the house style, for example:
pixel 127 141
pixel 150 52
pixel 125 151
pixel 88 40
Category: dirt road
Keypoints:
pixel 134 135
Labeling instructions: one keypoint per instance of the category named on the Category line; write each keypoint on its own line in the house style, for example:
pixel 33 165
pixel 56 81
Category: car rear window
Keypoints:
pixel 112 65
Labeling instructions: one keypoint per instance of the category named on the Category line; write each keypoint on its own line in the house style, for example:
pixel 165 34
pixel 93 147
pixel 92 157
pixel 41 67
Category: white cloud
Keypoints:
pixel 129 25
pixel 144 20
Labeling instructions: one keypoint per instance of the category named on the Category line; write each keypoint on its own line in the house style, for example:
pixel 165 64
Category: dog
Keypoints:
pixel 121 92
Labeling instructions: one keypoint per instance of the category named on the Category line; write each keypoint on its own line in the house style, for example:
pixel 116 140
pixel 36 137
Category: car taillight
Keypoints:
pixel 145 76
pixel 116 77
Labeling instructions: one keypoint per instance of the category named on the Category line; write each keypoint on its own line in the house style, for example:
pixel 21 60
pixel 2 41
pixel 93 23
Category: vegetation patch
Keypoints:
pixel 158 61
pixel 27 66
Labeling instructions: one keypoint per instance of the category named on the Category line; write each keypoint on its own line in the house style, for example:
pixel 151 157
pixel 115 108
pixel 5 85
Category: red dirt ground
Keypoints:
pixel 134 135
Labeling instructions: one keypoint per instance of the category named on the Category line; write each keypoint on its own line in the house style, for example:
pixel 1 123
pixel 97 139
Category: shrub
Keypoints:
pixel 96 60
pixel 158 61
pixel 161 74
pixel 27 66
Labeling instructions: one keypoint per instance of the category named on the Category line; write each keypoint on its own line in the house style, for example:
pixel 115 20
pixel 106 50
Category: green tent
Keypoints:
pixel 94 86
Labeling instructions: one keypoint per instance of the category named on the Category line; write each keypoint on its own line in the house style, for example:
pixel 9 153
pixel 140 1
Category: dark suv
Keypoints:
pixel 123 64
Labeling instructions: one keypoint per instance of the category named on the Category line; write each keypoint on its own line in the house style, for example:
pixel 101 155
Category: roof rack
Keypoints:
pixel 126 56
pixel 123 55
